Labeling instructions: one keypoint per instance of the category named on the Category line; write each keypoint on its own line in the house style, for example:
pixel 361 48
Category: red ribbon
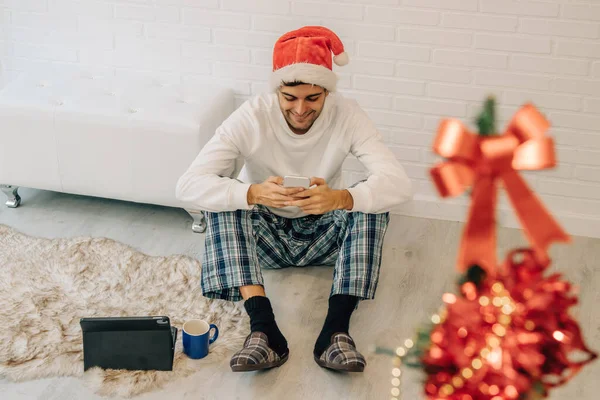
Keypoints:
pixel 478 161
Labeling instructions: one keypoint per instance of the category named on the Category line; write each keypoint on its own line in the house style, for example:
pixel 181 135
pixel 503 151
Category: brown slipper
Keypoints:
pixel 341 355
pixel 256 355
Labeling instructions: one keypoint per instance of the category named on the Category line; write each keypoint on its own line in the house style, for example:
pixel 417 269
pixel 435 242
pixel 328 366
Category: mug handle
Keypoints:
pixel 215 336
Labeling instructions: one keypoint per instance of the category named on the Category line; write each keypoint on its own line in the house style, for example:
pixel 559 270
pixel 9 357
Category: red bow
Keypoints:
pixel 478 161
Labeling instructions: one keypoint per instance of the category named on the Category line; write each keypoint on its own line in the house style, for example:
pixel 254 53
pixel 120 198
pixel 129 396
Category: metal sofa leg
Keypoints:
pixel 199 224
pixel 11 193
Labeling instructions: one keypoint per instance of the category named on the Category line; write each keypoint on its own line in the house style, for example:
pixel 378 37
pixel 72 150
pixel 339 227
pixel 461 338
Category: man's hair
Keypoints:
pixel 297 83
pixel 293 83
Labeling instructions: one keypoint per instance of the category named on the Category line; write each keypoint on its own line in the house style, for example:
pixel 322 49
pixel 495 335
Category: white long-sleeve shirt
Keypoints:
pixel 258 132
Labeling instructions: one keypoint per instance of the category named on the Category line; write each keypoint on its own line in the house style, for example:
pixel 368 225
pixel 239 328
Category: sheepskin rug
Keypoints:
pixel 46 286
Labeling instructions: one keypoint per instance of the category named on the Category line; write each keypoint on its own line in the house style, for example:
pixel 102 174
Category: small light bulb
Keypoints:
pixel 497 287
pixel 529 325
pixel 493 341
pixel 558 335
pixel 446 390
pixel 499 330
pixel 511 392
pixel 457 382
pixel 507 309
pixel 449 298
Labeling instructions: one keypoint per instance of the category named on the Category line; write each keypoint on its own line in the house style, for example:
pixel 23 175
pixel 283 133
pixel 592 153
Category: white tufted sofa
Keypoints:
pixel 103 136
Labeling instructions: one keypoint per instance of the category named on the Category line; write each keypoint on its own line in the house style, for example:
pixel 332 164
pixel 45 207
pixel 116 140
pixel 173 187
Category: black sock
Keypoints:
pixel 340 310
pixel 262 320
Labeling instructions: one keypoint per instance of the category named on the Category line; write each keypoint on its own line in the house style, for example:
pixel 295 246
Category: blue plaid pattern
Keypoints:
pixel 239 243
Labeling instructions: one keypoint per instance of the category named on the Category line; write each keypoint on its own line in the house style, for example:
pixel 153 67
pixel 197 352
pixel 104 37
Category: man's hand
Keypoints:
pixel 271 193
pixel 321 199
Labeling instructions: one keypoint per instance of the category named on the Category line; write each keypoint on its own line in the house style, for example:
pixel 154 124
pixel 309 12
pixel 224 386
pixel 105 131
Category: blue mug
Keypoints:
pixel 196 338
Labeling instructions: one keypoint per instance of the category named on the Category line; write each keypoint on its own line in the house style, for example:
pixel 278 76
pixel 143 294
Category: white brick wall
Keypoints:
pixel 413 62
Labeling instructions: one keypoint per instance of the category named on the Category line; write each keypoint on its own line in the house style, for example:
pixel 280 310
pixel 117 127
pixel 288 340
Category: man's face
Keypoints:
pixel 301 105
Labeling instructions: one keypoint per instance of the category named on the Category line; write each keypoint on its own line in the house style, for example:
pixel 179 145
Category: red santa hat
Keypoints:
pixel 305 55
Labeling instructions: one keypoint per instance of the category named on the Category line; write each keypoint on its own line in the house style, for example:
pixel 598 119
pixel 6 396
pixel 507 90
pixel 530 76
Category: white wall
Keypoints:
pixel 412 62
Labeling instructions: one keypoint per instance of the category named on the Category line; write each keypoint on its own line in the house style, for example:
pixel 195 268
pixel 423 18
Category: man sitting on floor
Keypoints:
pixel 302 128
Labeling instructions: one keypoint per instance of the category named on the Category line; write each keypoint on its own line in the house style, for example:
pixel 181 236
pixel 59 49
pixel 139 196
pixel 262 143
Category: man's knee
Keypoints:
pixel 368 219
pixel 225 215
pixel 228 221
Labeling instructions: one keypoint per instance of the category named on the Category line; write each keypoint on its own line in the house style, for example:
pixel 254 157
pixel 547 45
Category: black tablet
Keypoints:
pixel 132 343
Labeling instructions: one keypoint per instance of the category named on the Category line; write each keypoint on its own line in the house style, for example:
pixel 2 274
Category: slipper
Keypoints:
pixel 341 355
pixel 256 355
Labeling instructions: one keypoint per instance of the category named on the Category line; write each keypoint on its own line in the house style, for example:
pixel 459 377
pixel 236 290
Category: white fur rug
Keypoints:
pixel 46 286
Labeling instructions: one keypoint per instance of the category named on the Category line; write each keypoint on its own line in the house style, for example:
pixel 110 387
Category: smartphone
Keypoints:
pixel 296 181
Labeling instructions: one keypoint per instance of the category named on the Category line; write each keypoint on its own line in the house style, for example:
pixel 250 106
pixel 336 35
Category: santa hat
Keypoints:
pixel 304 55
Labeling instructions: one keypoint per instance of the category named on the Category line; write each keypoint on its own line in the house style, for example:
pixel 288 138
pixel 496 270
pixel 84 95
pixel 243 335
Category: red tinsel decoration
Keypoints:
pixel 498 340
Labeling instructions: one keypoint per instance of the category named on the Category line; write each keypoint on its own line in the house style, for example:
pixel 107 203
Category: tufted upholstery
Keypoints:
pixel 105 136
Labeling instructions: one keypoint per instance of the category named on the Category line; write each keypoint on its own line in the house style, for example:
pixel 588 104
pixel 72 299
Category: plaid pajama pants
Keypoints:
pixel 239 243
